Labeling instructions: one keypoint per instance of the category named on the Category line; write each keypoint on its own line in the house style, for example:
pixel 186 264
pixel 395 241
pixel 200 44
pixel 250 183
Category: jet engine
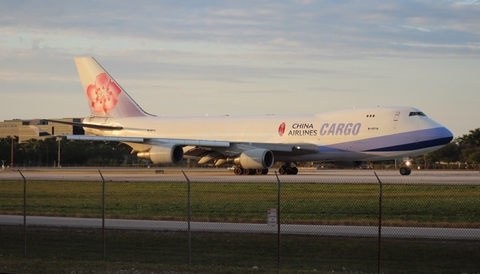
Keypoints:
pixel 255 159
pixel 164 154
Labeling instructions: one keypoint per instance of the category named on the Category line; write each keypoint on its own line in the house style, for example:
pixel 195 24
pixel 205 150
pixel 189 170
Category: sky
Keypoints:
pixel 196 58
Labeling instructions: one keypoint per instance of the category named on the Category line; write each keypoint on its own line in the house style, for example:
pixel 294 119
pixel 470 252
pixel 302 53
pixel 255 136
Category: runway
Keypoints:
pixel 324 230
pixel 463 177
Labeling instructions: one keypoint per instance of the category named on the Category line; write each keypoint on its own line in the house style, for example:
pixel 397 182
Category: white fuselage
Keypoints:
pixel 356 134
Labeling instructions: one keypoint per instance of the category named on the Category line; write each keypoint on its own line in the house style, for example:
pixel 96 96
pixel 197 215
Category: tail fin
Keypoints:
pixel 106 98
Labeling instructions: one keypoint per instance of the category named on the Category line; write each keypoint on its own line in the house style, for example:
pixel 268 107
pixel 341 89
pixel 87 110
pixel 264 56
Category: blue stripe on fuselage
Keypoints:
pixel 419 139
pixel 406 141
pixel 415 145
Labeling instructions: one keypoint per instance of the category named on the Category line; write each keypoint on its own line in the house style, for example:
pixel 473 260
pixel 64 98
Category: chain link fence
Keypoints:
pixel 266 224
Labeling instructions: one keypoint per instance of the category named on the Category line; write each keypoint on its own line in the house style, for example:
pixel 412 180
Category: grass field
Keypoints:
pixel 68 250
pixel 403 205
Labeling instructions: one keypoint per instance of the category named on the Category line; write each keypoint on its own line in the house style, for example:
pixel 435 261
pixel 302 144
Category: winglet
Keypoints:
pixel 105 96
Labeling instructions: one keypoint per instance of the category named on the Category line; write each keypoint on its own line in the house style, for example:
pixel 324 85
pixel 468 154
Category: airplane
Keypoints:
pixel 252 144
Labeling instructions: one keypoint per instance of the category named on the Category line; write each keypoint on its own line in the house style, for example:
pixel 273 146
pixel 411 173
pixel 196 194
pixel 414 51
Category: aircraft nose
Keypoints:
pixel 444 136
pixel 437 135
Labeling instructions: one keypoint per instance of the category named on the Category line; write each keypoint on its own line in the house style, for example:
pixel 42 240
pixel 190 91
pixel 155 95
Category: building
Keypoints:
pixel 27 129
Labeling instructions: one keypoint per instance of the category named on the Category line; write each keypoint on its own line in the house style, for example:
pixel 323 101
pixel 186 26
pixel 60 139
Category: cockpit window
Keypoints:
pixel 417 113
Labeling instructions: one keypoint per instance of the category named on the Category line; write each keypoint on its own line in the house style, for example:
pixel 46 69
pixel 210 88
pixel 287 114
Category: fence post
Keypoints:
pixel 379 223
pixel 278 221
pixel 103 215
pixel 188 221
pixel 24 214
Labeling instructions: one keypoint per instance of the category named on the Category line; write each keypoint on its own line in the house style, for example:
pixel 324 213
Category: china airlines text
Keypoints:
pixel 337 129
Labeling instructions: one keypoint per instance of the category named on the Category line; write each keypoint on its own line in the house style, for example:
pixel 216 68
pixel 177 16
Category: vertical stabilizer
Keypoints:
pixel 105 96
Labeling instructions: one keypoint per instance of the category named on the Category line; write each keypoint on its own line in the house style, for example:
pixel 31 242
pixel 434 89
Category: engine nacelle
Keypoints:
pixel 165 154
pixel 255 159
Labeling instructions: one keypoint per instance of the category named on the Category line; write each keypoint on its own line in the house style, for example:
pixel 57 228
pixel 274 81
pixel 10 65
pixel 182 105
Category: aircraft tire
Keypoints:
pixel 405 171
pixel 291 170
pixel 238 171
pixel 248 171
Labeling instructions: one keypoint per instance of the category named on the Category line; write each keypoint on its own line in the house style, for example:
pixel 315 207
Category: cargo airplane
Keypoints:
pixel 252 144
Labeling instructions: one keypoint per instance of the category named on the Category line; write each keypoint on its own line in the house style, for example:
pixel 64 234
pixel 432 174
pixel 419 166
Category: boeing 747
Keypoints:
pixel 254 143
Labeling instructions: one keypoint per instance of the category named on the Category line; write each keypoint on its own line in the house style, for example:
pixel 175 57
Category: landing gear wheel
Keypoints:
pixel 405 171
pixel 248 171
pixel 238 171
pixel 292 170
pixel 288 170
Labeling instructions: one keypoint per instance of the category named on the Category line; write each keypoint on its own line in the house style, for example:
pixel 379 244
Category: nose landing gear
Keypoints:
pixel 405 171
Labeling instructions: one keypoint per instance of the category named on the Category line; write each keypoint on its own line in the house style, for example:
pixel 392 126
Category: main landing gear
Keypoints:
pixel 287 169
pixel 246 171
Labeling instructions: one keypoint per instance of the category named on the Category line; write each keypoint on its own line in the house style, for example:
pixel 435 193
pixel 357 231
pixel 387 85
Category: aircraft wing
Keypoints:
pixel 102 138
pixel 147 141
pixel 199 144
pixel 200 148
pixel 205 150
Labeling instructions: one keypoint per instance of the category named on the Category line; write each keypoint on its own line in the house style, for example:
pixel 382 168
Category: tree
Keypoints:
pixel 474 157
pixel 472 139
pixel 448 153
pixel 470 146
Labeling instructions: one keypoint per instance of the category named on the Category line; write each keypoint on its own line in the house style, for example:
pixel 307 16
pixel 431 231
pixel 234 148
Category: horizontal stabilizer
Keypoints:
pixel 38 131
pixel 79 124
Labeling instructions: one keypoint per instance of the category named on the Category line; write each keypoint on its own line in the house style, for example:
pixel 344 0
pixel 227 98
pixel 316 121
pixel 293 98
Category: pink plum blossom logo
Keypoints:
pixel 103 93
pixel 281 129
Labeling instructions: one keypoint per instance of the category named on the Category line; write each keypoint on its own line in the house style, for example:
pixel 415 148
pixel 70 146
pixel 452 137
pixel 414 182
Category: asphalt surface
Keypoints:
pixel 326 230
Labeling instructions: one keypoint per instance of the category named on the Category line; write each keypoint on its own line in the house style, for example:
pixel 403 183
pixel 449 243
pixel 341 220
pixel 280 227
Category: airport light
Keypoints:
pixel 12 152
pixel 59 140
